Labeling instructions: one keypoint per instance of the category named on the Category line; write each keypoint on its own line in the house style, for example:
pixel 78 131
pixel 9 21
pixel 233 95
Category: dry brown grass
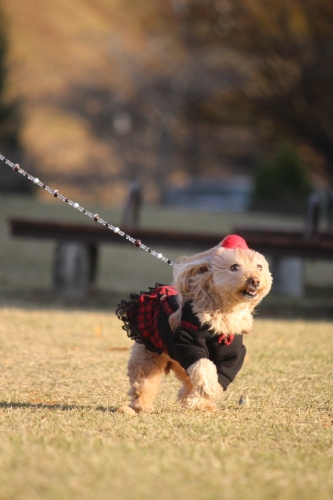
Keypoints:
pixel 63 374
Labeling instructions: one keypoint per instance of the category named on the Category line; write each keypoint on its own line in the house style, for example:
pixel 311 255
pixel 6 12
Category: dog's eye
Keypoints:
pixel 259 266
pixel 235 267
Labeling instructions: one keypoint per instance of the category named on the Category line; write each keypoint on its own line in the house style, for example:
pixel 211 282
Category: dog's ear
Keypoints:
pixel 185 274
pixel 175 319
pixel 186 278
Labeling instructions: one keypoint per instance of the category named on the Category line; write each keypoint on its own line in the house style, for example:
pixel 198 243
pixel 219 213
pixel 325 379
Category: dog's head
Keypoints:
pixel 240 275
pixel 221 278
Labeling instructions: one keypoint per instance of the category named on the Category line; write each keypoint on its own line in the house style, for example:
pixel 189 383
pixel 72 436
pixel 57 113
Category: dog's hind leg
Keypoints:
pixel 145 371
pixel 181 374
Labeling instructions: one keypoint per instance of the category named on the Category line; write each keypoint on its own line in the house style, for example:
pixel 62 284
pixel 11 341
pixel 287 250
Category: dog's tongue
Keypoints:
pixel 234 241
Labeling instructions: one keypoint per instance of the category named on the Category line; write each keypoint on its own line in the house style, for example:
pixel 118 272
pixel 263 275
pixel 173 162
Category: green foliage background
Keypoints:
pixel 282 184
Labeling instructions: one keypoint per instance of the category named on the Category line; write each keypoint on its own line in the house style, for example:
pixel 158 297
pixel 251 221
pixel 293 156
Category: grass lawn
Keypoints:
pixel 64 374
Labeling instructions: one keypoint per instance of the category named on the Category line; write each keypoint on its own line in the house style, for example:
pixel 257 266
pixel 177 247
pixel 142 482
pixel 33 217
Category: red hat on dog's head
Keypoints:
pixel 234 241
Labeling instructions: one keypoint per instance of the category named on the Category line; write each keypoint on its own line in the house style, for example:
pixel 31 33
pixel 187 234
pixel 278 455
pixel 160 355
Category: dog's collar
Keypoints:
pixel 225 339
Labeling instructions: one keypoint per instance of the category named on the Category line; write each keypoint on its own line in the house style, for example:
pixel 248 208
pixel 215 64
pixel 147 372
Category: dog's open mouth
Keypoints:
pixel 250 293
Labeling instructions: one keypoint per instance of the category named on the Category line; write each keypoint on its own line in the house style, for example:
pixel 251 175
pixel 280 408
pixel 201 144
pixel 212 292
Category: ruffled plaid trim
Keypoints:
pixel 140 316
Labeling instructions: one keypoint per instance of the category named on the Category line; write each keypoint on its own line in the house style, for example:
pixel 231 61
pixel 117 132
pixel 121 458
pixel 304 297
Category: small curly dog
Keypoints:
pixel 194 327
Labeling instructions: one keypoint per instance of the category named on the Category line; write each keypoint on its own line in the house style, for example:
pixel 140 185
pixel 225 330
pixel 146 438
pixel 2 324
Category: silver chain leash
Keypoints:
pixel 16 168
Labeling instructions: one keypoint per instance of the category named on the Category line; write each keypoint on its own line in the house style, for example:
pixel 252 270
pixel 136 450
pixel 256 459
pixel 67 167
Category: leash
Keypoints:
pixel 95 217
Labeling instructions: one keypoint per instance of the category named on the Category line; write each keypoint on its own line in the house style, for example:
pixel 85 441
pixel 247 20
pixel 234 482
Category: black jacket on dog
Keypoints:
pixel 146 320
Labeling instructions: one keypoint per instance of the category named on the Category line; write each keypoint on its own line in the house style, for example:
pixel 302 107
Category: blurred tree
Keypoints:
pixel 282 184
pixel 154 122
pixel 9 125
pixel 210 67
pixel 285 56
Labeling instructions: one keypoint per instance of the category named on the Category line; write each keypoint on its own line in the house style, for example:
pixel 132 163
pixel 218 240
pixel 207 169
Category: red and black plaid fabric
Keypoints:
pixel 140 316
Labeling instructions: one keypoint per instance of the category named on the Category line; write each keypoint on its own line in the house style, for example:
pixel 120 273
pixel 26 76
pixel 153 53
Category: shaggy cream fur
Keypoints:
pixel 224 285
pixel 217 291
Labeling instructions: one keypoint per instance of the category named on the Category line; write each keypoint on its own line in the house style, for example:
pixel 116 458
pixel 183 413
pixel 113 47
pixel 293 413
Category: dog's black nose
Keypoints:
pixel 255 282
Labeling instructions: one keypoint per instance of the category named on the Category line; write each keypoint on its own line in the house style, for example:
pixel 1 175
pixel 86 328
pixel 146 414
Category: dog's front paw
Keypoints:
pixel 127 410
pixel 203 376
pixel 194 401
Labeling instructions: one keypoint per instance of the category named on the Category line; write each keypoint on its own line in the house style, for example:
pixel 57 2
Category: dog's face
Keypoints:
pixel 240 274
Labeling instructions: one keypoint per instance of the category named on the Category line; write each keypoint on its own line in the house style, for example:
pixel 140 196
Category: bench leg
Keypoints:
pixel 288 276
pixel 74 269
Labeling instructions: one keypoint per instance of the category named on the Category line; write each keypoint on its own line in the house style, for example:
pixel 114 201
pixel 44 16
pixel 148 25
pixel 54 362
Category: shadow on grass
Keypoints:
pixel 55 406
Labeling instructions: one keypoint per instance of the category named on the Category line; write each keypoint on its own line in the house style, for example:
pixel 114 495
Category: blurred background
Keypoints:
pixel 221 111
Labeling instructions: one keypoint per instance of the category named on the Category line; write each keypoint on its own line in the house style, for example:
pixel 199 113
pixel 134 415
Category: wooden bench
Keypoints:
pixel 77 247
pixel 287 242
pixel 76 255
